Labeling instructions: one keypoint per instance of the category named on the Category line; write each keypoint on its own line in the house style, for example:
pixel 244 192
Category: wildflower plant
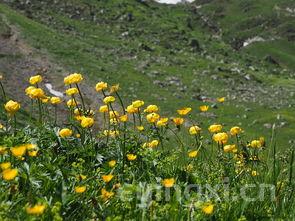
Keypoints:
pixel 128 161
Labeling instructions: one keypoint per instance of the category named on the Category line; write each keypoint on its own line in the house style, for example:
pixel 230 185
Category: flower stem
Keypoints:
pixel 3 92
pixel 82 99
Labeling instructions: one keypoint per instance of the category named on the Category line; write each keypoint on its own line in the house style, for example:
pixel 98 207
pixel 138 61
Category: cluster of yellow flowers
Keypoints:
pixel 9 173
pixel 143 116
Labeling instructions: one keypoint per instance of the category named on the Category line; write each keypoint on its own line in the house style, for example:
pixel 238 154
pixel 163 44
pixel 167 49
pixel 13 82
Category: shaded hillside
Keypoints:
pixel 273 21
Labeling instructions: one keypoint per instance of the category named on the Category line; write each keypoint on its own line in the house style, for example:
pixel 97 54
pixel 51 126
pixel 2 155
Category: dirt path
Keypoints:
pixel 19 61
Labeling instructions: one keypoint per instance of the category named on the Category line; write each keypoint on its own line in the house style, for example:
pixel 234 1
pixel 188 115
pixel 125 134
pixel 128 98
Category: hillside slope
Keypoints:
pixel 269 24
pixel 169 55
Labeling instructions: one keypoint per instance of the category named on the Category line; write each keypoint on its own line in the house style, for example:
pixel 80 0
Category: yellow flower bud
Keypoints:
pixel 137 103
pixel 220 138
pixel 12 107
pixel 66 132
pixel 101 86
pixel 109 99
pixel 151 109
pixel 152 117
pixel 37 209
pixel 87 122
pixel 55 100
pixel 194 130
pixel 168 183
pixel 72 91
pixel 104 109
pixel 184 111
pixel 73 79
pixel 204 108
pixel 35 79
pixel 80 189
pixel 215 128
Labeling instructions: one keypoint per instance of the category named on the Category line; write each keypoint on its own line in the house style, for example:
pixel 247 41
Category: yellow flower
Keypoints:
pixel 131 157
pixel 220 138
pixel 71 103
pixel 204 108
pixel 235 130
pixel 153 144
pixel 207 208
pixel 140 128
pixel 80 189
pixel 109 99
pixel 29 90
pixel 221 99
pixel 254 173
pixel 5 165
pixel 101 86
pixel 169 182
pixel 137 103
pixel 55 100
pixel 79 118
pixel 35 79
pixel 152 117
pixel 123 118
pixel 215 128
pixel 9 174
pixel 72 91
pixel 104 109
pixel 114 88
pixel 111 133
pixel 31 146
pixel 230 148
pixel 106 194
pixel 162 122
pixel 113 114
pixel 18 151
pixel 255 144
pixel 87 122
pixel 194 130
pixel 45 100
pixel 112 163
pixel 131 110
pixel 151 109
pixel 107 178
pixel 193 154
pixel 1 126
pixel 66 132
pixel 184 111
pixel 37 93
pixel 12 107
pixel 33 153
pixel 178 121
pixel 73 79
pixel 32 149
pixel 37 209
